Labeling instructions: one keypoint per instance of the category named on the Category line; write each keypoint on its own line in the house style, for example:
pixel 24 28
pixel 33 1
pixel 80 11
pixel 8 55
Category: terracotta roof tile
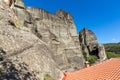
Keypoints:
pixel 106 70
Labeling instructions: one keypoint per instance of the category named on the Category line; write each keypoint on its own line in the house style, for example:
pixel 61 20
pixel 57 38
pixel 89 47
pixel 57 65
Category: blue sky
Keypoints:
pixel 101 16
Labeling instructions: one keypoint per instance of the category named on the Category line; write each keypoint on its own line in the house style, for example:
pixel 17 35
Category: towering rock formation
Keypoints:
pixel 47 43
pixel 59 32
pixel 24 47
pixel 90 45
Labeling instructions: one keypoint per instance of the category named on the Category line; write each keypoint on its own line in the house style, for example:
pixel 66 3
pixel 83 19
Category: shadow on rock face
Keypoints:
pixel 2 54
pixel 12 70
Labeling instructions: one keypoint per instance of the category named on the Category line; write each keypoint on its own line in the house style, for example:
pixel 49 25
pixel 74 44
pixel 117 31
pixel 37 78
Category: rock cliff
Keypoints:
pixel 90 45
pixel 24 47
pixel 47 43
pixel 58 32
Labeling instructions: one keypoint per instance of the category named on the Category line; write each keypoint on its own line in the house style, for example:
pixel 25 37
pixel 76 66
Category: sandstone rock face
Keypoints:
pixel 21 45
pixel 47 43
pixel 90 45
pixel 59 32
pixel 19 3
pixel 102 54
pixel 13 70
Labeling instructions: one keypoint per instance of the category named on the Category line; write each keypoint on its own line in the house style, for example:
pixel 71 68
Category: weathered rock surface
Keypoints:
pixel 25 47
pixel 90 45
pixel 59 32
pixel 13 70
pixel 47 43
pixel 102 54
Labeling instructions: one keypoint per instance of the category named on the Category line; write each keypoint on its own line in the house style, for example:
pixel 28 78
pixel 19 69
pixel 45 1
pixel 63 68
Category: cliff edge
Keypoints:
pixel 47 43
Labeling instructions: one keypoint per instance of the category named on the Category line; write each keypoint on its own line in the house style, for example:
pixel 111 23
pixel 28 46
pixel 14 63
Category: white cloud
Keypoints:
pixel 114 39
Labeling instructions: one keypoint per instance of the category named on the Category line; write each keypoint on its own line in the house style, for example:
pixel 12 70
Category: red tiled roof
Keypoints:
pixel 106 70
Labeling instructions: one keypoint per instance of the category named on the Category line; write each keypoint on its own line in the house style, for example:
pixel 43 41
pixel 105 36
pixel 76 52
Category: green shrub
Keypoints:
pixel 112 55
pixel 85 55
pixel 48 77
pixel 92 59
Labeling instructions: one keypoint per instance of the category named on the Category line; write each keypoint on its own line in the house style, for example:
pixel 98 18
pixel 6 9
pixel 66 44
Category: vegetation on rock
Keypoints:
pixel 91 58
pixel 48 77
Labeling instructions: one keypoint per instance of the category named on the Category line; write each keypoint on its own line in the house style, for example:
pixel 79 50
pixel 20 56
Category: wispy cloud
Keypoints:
pixel 114 39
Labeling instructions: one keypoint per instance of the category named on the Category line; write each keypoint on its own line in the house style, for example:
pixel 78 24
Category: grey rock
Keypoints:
pixel 90 45
pixel 13 70
pixel 47 43
pixel 19 3
pixel 102 54
pixel 2 54
pixel 59 32
pixel 24 46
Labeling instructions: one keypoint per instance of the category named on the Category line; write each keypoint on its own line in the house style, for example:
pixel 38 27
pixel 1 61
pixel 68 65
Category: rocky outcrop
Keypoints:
pixel 102 54
pixel 58 32
pixel 90 45
pixel 12 70
pixel 21 45
pixel 47 43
